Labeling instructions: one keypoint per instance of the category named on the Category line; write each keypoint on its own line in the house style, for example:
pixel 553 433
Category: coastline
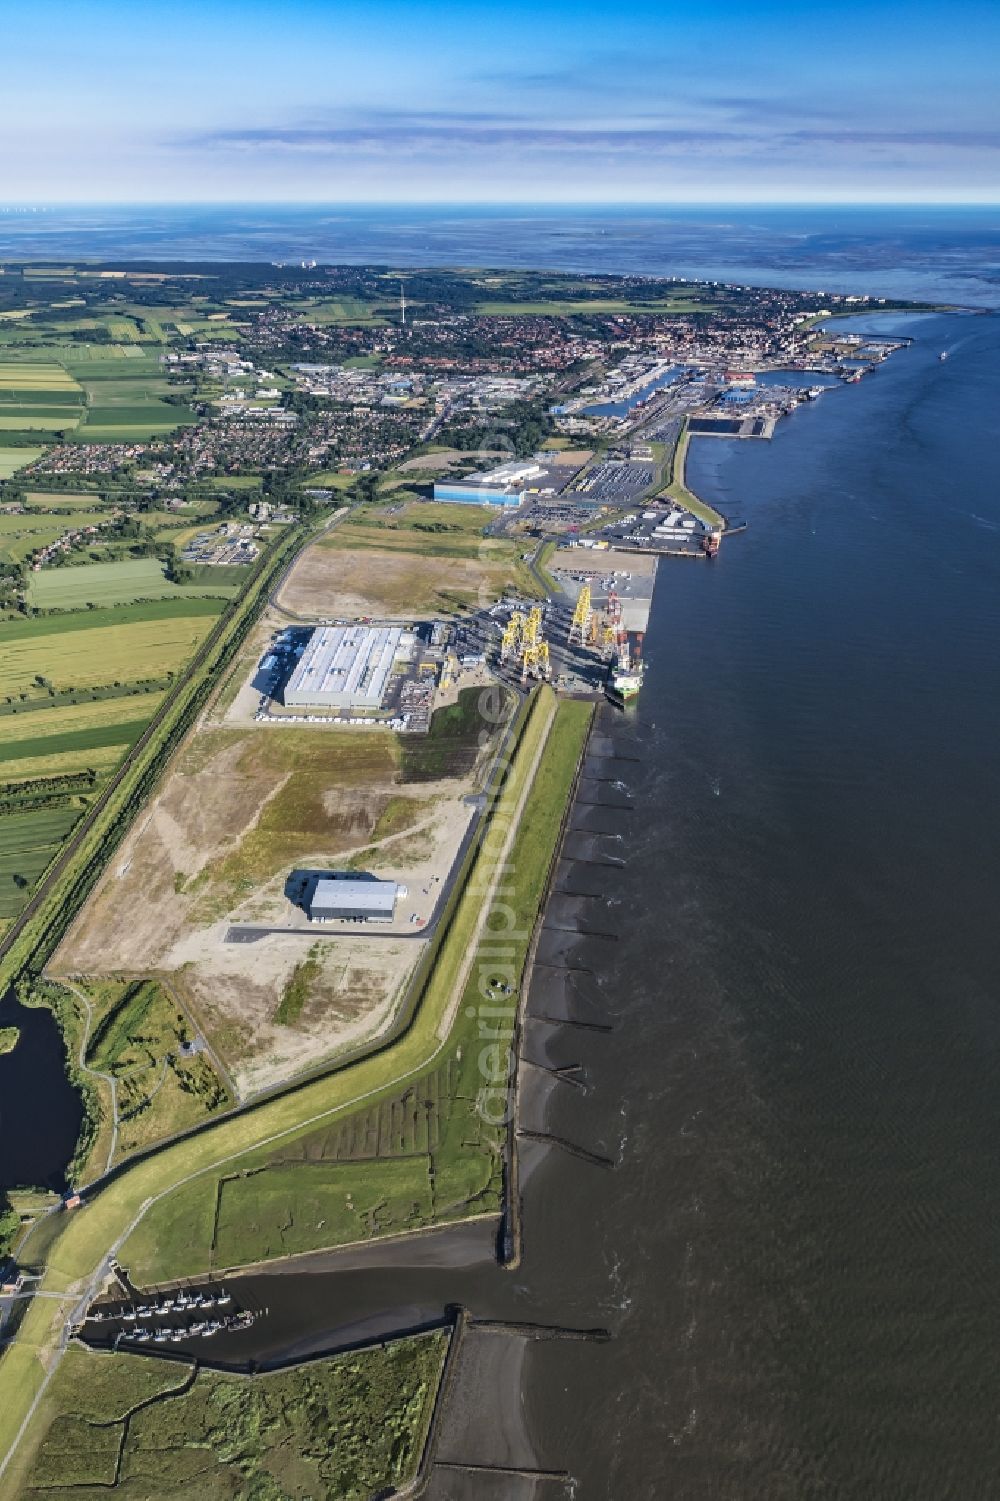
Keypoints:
pixel 548 901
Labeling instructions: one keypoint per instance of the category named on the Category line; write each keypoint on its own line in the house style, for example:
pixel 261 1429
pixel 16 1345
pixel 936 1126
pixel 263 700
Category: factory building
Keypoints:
pixel 346 667
pixel 478 495
pixel 339 898
pixel 503 486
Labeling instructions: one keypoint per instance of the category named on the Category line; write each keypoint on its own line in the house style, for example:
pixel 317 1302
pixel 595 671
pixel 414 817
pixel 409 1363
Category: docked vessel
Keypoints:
pixel 625 675
pixel 623 686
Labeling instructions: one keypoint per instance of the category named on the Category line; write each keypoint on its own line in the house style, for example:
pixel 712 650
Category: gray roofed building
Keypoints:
pixel 353 900
pixel 344 667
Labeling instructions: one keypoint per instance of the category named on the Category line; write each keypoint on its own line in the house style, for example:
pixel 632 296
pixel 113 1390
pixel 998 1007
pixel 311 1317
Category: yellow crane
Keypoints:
pixel 513 634
pixel 580 624
pixel 535 660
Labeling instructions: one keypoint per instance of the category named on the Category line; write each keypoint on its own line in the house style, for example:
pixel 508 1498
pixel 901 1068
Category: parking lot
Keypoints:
pixel 617 481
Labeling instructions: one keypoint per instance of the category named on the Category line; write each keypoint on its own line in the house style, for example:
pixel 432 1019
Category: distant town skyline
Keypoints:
pixel 460 101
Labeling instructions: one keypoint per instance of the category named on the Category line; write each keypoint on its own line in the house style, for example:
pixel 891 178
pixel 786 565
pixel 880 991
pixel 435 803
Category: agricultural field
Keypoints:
pixel 39 377
pixel 21 535
pixel 112 584
pixel 110 362
pixel 16 417
pixel 76 691
pixel 100 393
pixel 345 310
pixel 28 844
pixel 91 655
pixel 128 408
pixel 52 763
pixel 151 1430
pixel 235 482
pixel 425 559
pixel 13 459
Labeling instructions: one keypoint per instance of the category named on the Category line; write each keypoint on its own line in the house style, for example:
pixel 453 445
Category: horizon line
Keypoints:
pixel 43 204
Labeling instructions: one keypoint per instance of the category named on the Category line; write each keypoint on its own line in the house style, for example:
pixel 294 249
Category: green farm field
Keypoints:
pixel 22 535
pixel 137 425
pixel 43 524
pixel 90 620
pixel 84 727
pixel 235 482
pixel 105 584
pixel 344 310
pixel 16 419
pixel 13 459
pixel 41 377
pixel 28 843
pixel 110 362
pixel 113 653
pixel 47 759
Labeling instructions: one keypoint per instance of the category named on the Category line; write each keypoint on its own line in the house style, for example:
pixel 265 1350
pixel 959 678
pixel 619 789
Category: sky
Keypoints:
pixel 462 101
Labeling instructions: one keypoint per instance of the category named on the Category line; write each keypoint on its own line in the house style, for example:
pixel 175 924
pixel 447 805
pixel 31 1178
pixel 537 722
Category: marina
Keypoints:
pixel 182 1315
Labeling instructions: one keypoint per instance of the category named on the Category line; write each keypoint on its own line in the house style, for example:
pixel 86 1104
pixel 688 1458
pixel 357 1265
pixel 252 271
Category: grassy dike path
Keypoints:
pixel 678 490
pixel 145 1213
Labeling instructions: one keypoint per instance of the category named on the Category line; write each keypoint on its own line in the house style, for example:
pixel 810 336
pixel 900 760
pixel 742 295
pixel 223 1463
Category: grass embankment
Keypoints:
pixel 545 555
pixel 8 1039
pixel 348 1427
pixel 678 490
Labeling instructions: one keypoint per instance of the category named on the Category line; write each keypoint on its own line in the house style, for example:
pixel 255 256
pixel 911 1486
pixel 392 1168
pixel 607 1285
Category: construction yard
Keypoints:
pixel 241 813
pixel 408 560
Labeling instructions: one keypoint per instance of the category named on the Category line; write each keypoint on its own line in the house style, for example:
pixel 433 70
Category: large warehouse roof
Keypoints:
pixel 345 665
pixel 362 896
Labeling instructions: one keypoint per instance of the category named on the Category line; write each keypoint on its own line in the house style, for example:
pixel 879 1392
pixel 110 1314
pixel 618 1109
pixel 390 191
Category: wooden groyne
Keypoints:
pixel 585 1155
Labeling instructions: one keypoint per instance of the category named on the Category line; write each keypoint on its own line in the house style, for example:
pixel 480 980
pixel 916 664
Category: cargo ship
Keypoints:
pixel 623 685
pixel 625 675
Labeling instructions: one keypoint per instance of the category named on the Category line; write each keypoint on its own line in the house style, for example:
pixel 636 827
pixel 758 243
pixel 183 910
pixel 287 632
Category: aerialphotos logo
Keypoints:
pixel 498 976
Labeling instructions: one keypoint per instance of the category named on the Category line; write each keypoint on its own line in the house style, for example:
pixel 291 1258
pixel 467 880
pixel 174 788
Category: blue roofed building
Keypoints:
pixel 504 486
